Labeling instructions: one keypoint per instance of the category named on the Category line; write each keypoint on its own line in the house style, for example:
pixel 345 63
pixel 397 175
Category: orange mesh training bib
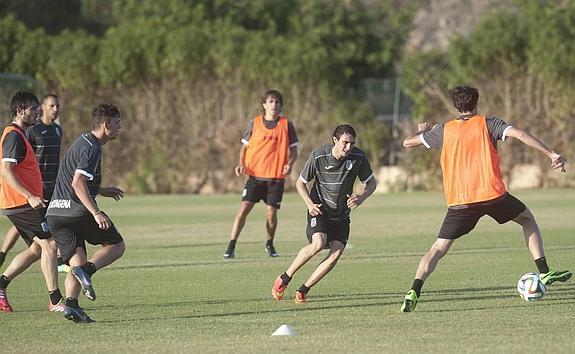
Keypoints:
pixel 268 149
pixel 469 162
pixel 27 172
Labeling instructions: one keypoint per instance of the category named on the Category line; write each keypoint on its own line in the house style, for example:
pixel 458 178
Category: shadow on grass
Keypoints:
pixel 219 259
pixel 376 300
pixel 463 251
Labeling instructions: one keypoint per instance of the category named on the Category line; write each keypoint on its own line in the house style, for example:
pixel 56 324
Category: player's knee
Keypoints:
pixel 439 250
pixel 120 248
pixel 334 256
pixel 317 245
pixel 524 218
pixel 48 246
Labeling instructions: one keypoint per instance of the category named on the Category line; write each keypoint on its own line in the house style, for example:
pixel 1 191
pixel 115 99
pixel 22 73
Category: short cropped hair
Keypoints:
pixel 104 112
pixel 465 98
pixel 50 95
pixel 22 100
pixel 275 94
pixel 343 129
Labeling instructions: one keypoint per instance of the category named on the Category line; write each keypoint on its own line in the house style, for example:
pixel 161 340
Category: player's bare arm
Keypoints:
pixel 291 161
pixel 35 201
pixel 414 140
pixel 241 167
pixel 314 209
pixel 354 201
pixel 557 161
pixel 81 189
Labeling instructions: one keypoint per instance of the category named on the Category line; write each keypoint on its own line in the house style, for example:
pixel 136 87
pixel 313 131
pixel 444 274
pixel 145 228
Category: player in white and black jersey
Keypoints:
pixel 74 217
pixel 334 169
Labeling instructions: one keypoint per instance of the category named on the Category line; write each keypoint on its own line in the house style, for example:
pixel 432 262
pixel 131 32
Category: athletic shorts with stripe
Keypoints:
pixel 270 191
pixel 335 231
pixel 460 221
pixel 72 232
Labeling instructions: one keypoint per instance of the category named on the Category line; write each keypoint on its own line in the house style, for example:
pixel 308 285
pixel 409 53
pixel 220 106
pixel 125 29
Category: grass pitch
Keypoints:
pixel 173 291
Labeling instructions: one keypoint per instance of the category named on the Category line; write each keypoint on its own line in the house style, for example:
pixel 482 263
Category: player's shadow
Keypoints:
pixel 371 299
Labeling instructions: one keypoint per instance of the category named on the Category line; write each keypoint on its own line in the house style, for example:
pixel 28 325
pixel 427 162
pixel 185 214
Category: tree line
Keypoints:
pixel 188 75
pixel 522 61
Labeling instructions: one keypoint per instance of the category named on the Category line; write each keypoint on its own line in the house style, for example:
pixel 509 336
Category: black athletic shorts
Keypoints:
pixel 459 222
pixel 270 191
pixel 29 223
pixel 72 232
pixel 335 231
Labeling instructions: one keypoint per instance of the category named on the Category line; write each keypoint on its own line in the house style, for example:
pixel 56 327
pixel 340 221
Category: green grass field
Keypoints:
pixel 173 291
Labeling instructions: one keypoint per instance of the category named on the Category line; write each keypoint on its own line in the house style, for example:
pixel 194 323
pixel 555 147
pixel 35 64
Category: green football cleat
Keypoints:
pixel 555 275
pixel 409 302
pixel 63 268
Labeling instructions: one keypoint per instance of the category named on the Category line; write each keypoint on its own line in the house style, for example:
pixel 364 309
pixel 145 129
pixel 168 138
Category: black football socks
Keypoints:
pixel 542 266
pixel 416 286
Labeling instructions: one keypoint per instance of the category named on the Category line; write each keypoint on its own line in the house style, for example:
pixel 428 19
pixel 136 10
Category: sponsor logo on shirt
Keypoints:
pixel 328 167
pixel 43 132
pixel 59 204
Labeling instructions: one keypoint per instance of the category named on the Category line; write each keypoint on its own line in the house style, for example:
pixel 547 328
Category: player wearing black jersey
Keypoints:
pixel 45 137
pixel 334 169
pixel 74 217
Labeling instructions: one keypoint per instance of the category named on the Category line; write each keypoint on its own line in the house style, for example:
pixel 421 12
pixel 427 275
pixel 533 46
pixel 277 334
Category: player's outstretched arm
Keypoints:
pixel 414 140
pixel 557 161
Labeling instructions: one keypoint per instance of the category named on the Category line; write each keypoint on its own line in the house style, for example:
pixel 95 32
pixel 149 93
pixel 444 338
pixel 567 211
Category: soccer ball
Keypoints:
pixel 530 287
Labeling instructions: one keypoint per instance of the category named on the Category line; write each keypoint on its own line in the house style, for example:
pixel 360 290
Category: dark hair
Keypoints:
pixel 465 98
pixel 22 100
pixel 343 129
pixel 275 94
pixel 50 95
pixel 104 112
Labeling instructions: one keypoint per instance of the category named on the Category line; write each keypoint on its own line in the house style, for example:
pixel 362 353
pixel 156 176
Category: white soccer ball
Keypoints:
pixel 530 287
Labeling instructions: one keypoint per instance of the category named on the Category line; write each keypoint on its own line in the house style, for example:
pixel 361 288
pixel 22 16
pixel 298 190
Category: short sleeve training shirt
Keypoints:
pixel 497 129
pixel 46 141
pixel 84 157
pixel 13 148
pixel 334 179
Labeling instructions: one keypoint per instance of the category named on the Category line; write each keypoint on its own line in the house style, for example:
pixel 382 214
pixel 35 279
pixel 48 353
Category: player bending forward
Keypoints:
pixel 334 169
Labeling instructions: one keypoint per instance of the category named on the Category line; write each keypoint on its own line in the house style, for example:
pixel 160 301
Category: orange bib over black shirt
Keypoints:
pixel 470 163
pixel 268 150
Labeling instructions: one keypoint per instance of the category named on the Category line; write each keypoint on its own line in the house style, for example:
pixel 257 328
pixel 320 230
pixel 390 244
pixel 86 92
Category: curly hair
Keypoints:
pixel 104 112
pixel 22 100
pixel 465 98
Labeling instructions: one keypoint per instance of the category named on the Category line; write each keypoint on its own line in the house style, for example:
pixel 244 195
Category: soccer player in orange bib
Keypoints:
pixel 22 201
pixel 473 184
pixel 267 155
